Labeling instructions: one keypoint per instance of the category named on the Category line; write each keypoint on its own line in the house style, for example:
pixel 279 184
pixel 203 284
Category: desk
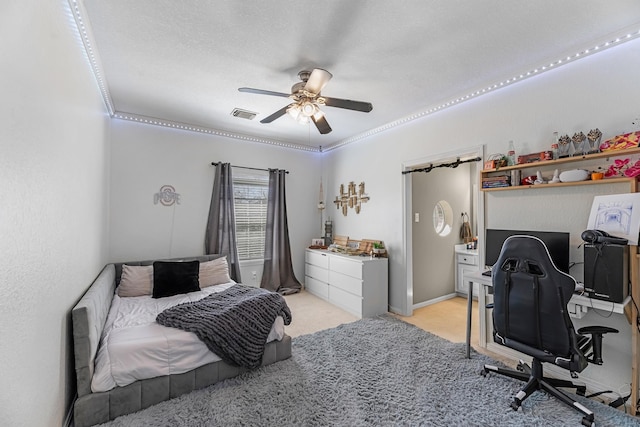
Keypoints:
pixel 575 305
pixel 471 277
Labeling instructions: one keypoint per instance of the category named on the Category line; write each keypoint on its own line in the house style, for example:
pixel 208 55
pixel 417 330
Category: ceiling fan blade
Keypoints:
pixel 348 104
pixel 281 112
pixel 263 92
pixel 317 80
pixel 321 124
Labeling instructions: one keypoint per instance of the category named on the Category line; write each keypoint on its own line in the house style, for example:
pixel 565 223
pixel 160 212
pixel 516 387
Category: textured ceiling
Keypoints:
pixel 183 61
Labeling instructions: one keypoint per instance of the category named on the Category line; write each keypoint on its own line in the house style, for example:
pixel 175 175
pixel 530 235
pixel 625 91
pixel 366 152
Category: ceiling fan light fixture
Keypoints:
pixel 294 111
pixel 318 114
pixel 306 100
pixel 308 108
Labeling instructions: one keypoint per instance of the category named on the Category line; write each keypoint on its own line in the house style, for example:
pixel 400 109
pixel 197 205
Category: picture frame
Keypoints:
pixel 617 214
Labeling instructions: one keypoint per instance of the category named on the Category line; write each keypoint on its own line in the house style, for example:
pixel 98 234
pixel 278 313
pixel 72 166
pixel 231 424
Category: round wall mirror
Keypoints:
pixel 442 218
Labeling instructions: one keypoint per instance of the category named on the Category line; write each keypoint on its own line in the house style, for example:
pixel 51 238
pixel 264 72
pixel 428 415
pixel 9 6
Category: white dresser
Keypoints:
pixel 356 284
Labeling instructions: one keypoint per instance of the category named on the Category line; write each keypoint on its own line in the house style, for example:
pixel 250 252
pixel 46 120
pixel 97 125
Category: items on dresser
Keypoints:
pixel 356 284
pixel 328 232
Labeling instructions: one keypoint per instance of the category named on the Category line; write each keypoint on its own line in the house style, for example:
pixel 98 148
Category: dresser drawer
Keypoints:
pixel 319 273
pixel 316 287
pixel 467 259
pixel 346 266
pixel 317 258
pixel 346 301
pixel 346 283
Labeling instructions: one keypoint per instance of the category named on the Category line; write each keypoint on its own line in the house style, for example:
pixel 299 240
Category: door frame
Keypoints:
pixel 407 214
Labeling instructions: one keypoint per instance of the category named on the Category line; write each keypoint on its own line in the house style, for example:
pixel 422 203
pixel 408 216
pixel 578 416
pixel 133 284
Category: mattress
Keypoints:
pixel 134 347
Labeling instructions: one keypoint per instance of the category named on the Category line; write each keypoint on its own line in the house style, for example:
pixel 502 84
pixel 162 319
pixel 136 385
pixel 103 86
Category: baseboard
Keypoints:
pixel 396 310
pixel 434 301
pixel 68 420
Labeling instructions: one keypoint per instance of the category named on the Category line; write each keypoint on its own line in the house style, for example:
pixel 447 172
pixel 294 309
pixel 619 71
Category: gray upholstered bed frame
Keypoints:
pixel 89 317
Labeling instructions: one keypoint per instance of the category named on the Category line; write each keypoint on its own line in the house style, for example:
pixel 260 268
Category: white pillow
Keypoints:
pixel 214 272
pixel 136 281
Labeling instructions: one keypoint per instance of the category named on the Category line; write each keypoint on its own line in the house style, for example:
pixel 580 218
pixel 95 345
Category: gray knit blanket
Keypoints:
pixel 234 323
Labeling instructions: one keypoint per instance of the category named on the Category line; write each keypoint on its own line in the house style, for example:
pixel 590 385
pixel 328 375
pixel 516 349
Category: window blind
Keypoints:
pixel 250 202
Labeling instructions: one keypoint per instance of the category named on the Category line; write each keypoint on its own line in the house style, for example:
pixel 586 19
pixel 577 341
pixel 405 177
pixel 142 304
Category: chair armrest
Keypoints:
pixel 596 333
pixel 597 330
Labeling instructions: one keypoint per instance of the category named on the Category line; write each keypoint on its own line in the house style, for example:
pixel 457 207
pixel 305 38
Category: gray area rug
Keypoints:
pixel 373 372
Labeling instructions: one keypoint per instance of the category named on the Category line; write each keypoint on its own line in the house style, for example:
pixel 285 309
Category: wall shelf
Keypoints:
pixel 550 163
pixel 562 184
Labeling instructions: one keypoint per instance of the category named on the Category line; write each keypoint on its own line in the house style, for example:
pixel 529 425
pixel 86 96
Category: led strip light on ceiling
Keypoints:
pixel 91 55
pixel 200 129
pixel 78 14
pixel 628 36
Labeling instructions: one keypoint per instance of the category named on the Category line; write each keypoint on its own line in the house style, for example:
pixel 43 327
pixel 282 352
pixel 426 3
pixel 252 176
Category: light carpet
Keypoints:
pixel 372 372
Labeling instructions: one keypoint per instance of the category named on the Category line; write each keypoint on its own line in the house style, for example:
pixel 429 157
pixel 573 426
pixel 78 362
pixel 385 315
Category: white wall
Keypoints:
pixel 597 91
pixel 53 219
pixel 144 158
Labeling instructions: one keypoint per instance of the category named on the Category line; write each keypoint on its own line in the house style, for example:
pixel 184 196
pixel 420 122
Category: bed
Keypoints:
pixel 101 400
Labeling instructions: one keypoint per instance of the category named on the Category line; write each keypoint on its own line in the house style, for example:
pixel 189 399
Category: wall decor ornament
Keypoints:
pixel 167 196
pixel 351 198
pixel 321 198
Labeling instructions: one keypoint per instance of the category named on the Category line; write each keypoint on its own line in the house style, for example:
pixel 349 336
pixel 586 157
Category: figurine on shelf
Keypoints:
pixel 556 177
pixel 579 140
pixel 564 143
pixel 594 137
pixel 539 179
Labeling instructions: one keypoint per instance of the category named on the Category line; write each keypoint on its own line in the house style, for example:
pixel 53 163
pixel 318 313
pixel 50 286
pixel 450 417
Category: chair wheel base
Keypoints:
pixel 587 422
pixel 515 405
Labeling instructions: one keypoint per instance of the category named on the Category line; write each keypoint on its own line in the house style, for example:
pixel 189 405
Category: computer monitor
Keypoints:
pixel 557 244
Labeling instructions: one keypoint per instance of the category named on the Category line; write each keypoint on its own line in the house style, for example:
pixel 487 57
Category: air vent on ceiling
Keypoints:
pixel 243 114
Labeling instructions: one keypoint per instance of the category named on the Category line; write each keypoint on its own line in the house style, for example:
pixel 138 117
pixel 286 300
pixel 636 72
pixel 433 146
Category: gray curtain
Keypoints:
pixel 277 274
pixel 220 237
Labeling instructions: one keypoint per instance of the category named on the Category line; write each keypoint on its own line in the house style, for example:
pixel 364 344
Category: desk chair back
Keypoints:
pixel 530 304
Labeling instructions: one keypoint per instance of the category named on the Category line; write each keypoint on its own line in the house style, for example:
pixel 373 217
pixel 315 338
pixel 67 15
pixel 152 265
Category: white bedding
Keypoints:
pixel 134 347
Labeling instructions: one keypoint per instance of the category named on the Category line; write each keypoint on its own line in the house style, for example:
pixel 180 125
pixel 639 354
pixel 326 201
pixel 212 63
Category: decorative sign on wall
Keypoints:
pixel 167 196
pixel 351 198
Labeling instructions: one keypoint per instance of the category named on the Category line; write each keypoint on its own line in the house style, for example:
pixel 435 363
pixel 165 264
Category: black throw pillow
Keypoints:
pixel 173 278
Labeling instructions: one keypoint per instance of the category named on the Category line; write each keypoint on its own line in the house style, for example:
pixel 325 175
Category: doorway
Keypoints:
pixel 430 255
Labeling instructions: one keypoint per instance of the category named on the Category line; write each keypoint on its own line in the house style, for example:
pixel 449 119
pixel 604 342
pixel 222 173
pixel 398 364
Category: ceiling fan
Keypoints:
pixel 307 100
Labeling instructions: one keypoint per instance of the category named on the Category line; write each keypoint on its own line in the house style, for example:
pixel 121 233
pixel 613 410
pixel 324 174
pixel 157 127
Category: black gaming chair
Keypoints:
pixel 530 297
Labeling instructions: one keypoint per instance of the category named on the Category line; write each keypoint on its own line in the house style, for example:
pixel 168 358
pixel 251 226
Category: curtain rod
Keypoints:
pixel 455 164
pixel 245 167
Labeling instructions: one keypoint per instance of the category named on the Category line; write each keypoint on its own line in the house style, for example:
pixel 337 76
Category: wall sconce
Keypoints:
pixel 351 198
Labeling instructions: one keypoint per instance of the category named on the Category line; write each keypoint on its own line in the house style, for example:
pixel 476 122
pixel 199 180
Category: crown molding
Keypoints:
pixel 86 35
pixel 209 131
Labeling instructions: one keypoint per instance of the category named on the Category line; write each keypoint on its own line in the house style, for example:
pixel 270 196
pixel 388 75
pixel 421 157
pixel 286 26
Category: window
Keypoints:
pixel 250 203
pixel 442 218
